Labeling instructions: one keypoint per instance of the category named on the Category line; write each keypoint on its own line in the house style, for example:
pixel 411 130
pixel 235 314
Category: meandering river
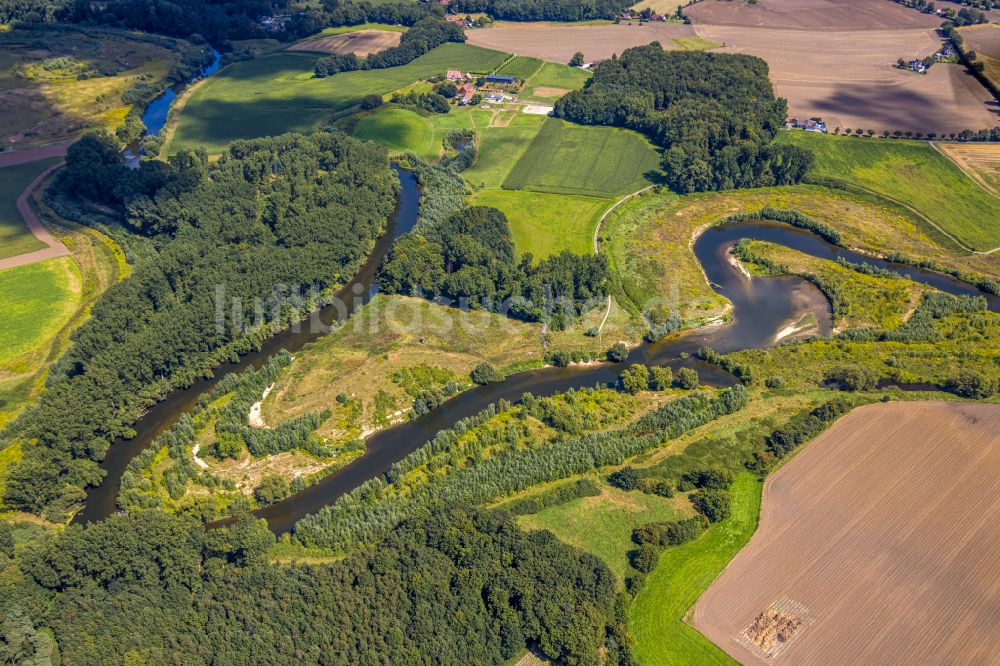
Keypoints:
pixel 761 308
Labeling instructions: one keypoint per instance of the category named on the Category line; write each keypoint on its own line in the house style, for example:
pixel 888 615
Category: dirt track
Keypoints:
pixel 24 156
pixel 360 43
pixel 558 43
pixel 55 248
pixel 880 539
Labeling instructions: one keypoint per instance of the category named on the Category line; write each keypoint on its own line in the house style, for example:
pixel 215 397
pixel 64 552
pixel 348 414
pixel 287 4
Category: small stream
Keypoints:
pixel 761 308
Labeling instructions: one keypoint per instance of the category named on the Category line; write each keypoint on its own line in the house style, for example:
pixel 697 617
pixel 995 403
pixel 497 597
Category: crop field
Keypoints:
pixel 546 224
pixel 865 89
pixel 54 84
pixel 558 43
pixel 913 173
pixel 399 130
pixel 15 238
pixel 277 93
pixel 575 159
pixel 695 44
pixel 38 300
pixel 521 67
pixel 979 160
pixel 656 617
pixel 359 42
pixel 985 41
pixel 810 14
pixel 499 150
pixel 854 557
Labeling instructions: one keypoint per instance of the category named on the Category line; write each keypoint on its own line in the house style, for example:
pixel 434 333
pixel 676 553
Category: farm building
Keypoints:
pixel 455 75
pixel 502 79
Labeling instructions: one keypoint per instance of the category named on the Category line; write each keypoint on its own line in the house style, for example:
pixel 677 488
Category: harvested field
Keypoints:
pixel 558 43
pixel 864 89
pixel 980 160
pixel 983 39
pixel 360 43
pixel 811 14
pixel 877 539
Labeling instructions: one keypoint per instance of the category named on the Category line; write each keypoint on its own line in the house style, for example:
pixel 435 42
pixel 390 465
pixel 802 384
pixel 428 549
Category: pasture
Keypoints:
pixel 15 238
pixel 553 80
pixel 854 557
pixel 865 89
pixel 359 42
pixel 56 83
pixel 656 616
pixel 38 300
pixel 558 42
pixel 521 67
pixel 575 159
pixel 546 224
pixel 979 160
pixel 399 130
pixel 277 93
pixel 913 173
pixel 499 149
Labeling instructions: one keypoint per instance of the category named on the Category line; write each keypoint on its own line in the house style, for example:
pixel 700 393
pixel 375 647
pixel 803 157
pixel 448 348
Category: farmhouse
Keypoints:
pixel 811 125
pixel 502 79
pixel 456 75
pixel 918 66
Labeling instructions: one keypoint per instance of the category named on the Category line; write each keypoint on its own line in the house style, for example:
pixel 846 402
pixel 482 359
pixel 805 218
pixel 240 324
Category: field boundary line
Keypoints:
pixel 597 231
pixel 924 218
pixel 975 177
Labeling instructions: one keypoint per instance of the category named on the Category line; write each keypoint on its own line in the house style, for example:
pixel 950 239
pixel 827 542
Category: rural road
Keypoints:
pixel 55 247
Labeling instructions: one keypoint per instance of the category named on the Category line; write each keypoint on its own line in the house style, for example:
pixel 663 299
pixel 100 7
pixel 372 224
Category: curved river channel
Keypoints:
pixel 762 306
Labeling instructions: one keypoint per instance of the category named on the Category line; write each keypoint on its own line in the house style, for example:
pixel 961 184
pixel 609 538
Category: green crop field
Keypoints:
pixel 680 577
pixel 399 130
pixel 278 93
pixel 499 149
pixel 603 525
pixel 521 67
pixel 15 238
pixel 910 173
pixel 577 159
pixel 546 224
pixel 695 43
pixel 38 300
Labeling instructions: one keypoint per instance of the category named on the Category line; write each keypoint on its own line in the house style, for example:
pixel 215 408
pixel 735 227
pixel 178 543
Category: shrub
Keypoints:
pixel 660 379
pixel 774 382
pixel 972 384
pixel 576 60
pixel 272 488
pixel 618 352
pixel 717 479
pixel 484 373
pixel 644 557
pixel 660 488
pixel 852 378
pixel 627 478
pixel 369 102
pixel 687 378
pixel 716 505
pixel 635 378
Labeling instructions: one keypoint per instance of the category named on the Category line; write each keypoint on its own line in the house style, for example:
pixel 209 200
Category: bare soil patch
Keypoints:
pixel 812 14
pixel 885 529
pixel 980 160
pixel 544 91
pixel 848 78
pixel 558 43
pixel 360 43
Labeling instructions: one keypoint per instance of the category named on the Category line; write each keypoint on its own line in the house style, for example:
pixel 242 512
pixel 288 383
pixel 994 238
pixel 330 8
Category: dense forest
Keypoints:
pixel 714 114
pixel 542 10
pixel 245 243
pixel 456 584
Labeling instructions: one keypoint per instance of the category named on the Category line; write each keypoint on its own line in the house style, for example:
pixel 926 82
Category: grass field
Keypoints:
pixel 575 159
pixel 552 81
pixel 912 173
pixel 656 617
pixel 545 224
pixel 602 525
pixel 695 43
pixel 499 149
pixel 15 238
pixel 521 67
pixel 979 160
pixel 399 130
pixel 278 93
pixel 38 300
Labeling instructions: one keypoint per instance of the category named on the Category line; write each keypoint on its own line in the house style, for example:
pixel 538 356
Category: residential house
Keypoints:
pixel 918 66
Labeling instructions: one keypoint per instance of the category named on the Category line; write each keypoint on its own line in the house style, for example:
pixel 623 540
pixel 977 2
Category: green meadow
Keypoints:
pixel 277 93
pixel 546 224
pixel 578 159
pixel 15 238
pixel 552 81
pixel 521 67
pixel 910 173
pixel 399 130
pixel 656 617
pixel 38 300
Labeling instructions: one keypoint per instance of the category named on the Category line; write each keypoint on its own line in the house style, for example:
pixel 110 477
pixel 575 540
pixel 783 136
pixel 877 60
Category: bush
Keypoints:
pixel 660 488
pixel 576 60
pixel 618 352
pixel 716 505
pixel 627 478
pixel 687 378
pixel 369 102
pixel 972 384
pixel 660 379
pixel 774 382
pixel 272 488
pixel 716 479
pixel 644 557
pixel 852 378
pixel 484 373
pixel 635 378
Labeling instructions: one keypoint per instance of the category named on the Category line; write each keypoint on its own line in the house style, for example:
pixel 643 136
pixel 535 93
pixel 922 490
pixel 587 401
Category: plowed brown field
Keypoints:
pixel 360 43
pixel 812 14
pixel 983 39
pixel 558 43
pixel 877 544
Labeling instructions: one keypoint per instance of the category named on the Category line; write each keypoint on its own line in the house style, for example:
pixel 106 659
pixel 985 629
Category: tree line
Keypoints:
pixel 270 216
pixel 454 584
pixel 542 10
pixel 426 34
pixel 715 115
